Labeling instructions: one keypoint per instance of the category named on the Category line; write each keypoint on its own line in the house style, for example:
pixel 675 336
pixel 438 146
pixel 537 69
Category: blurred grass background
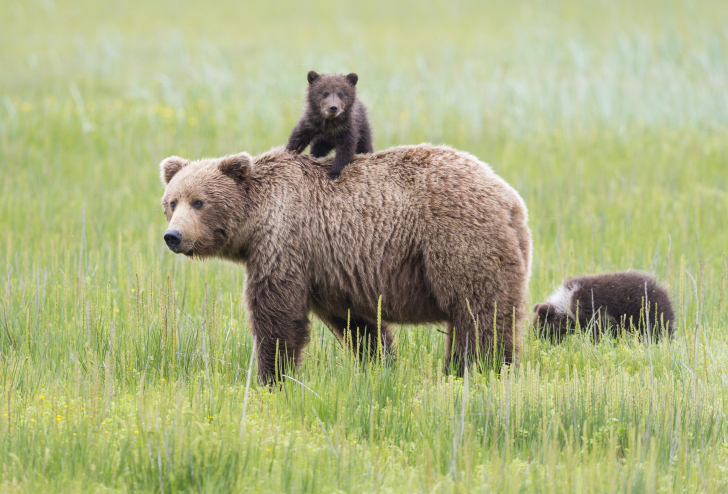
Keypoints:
pixel 124 367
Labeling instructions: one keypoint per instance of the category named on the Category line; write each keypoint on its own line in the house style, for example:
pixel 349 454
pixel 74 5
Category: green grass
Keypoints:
pixel 124 367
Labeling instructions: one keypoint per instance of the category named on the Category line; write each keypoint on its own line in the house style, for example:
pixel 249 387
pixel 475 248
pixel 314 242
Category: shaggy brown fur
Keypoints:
pixel 433 231
pixel 334 118
pixel 619 299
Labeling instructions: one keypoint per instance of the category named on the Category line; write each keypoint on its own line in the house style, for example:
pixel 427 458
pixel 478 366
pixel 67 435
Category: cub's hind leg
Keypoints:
pixel 320 148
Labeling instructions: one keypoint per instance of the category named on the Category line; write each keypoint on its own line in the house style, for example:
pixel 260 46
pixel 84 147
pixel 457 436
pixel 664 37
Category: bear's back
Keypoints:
pixel 397 199
pixel 425 171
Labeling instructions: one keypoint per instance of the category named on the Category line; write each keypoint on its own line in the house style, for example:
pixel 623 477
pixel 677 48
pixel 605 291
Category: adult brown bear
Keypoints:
pixel 432 230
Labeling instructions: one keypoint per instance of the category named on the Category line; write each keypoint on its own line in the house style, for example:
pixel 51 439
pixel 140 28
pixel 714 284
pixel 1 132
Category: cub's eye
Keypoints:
pixel 341 95
pixel 173 205
pixel 197 204
pixel 325 94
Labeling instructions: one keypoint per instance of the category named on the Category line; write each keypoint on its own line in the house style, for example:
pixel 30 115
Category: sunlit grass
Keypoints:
pixel 124 368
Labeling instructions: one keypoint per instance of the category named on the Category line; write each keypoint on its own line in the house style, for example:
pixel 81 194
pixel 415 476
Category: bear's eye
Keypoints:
pixel 197 204
pixel 341 95
pixel 173 205
pixel 325 94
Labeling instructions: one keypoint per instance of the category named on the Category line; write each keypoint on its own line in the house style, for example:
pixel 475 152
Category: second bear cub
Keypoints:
pixel 630 299
pixel 333 118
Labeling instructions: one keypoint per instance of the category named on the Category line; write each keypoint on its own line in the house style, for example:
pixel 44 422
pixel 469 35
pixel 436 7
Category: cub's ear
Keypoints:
pixel 312 76
pixel 236 166
pixel 543 310
pixel 352 78
pixel 169 167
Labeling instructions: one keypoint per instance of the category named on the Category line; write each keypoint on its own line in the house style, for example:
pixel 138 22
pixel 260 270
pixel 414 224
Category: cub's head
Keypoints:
pixel 330 95
pixel 548 320
pixel 206 204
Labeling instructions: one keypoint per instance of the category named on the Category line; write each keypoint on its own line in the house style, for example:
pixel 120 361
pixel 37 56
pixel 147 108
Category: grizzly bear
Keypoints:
pixel 430 231
pixel 629 300
pixel 333 118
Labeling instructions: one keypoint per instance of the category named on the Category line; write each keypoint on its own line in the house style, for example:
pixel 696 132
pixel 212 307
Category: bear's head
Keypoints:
pixel 548 320
pixel 330 95
pixel 207 204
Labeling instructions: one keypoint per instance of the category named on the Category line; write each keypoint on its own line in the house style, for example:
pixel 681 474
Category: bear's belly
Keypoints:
pixel 412 310
pixel 406 296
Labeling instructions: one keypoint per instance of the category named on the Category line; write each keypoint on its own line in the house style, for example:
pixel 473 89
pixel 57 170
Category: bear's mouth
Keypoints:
pixel 178 249
pixel 331 115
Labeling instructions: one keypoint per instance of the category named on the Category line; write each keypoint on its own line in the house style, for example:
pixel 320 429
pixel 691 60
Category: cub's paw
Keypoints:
pixel 333 175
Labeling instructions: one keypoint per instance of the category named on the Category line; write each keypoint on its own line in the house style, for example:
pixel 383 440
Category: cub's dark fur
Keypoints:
pixel 334 118
pixel 618 298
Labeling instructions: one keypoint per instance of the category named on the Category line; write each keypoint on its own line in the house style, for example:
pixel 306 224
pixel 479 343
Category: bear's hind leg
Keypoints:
pixel 361 336
pixel 472 338
pixel 448 346
pixel 320 148
pixel 364 146
pixel 461 345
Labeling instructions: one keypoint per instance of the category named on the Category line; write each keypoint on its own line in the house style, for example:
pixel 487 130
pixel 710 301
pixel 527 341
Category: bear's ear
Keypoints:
pixel 543 310
pixel 312 76
pixel 169 167
pixel 352 78
pixel 236 166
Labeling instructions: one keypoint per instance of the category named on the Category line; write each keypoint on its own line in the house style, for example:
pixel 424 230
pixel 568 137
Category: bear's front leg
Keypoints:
pixel 300 137
pixel 278 311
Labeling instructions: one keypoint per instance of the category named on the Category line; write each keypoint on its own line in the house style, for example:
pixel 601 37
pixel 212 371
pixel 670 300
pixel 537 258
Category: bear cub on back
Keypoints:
pixel 333 118
pixel 620 298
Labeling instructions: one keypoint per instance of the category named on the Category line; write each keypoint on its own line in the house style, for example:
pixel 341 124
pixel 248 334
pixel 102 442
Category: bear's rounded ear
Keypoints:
pixel 352 78
pixel 312 76
pixel 236 166
pixel 542 310
pixel 169 167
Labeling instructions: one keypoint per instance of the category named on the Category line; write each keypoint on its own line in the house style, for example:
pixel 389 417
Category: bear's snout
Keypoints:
pixel 173 238
pixel 333 108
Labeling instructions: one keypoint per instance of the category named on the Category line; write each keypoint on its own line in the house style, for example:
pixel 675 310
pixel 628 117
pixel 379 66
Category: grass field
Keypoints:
pixel 124 367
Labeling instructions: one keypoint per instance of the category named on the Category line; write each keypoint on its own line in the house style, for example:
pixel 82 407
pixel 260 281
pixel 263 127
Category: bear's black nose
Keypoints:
pixel 333 108
pixel 173 238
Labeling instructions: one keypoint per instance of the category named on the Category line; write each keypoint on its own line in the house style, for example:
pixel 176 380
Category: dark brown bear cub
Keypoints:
pixel 629 300
pixel 333 118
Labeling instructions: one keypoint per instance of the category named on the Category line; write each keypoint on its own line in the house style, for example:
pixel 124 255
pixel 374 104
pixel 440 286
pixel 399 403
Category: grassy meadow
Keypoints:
pixel 125 368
